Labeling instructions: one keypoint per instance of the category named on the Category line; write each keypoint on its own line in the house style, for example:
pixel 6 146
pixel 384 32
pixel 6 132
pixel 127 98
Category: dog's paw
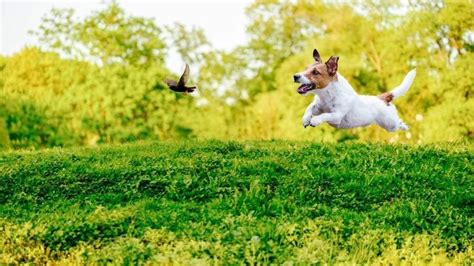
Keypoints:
pixel 306 120
pixel 315 121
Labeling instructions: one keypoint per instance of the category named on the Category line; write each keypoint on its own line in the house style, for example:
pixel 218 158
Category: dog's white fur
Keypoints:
pixel 340 106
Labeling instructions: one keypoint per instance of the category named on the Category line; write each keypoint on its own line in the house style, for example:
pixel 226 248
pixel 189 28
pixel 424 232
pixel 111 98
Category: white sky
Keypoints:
pixel 223 21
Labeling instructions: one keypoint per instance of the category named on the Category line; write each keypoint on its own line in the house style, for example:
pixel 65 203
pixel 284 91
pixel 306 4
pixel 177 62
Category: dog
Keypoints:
pixel 337 103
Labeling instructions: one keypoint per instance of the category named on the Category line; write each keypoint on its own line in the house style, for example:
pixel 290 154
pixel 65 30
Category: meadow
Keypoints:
pixel 100 163
pixel 215 202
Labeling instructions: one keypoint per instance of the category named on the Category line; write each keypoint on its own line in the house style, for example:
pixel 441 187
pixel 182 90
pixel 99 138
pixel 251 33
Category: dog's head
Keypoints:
pixel 317 75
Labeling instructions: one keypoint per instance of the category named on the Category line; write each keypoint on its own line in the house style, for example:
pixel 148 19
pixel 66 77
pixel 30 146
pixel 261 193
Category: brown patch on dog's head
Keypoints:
pixel 321 74
pixel 317 75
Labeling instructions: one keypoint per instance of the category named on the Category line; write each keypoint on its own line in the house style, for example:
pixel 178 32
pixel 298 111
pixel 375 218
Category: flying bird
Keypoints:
pixel 180 85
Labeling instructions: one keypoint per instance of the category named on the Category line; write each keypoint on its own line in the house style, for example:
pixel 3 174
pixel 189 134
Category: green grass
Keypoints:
pixel 238 202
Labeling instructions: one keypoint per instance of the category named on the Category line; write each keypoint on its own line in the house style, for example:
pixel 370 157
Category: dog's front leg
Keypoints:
pixel 332 118
pixel 311 110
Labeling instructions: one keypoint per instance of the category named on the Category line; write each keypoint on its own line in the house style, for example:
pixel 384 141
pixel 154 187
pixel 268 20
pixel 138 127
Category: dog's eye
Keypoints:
pixel 315 72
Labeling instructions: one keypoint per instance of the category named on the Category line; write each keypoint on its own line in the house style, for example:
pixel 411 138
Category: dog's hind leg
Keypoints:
pixel 402 125
pixel 392 124
pixel 389 119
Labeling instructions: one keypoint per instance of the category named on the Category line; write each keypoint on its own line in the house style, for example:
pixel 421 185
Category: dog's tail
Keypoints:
pixel 403 88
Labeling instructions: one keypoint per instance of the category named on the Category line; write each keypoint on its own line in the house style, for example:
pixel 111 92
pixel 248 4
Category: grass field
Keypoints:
pixel 238 202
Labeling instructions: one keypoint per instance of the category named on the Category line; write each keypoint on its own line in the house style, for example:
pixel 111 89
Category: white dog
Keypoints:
pixel 337 103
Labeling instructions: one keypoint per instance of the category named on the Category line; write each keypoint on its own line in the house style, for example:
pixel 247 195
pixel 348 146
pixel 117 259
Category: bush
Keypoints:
pixel 4 136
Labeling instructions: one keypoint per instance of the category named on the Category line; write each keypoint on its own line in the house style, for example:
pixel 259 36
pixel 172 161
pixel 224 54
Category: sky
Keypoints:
pixel 223 21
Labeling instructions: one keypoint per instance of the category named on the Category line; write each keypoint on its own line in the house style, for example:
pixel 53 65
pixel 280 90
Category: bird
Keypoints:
pixel 180 85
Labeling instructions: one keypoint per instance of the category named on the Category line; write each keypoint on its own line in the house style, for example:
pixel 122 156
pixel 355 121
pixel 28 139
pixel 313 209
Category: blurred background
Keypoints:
pixel 85 73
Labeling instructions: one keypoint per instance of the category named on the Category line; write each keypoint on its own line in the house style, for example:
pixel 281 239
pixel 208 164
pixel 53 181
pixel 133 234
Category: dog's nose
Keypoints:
pixel 296 77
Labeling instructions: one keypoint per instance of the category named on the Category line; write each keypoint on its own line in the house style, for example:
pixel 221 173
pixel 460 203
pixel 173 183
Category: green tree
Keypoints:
pixel 189 43
pixel 68 101
pixel 107 36
pixel 99 79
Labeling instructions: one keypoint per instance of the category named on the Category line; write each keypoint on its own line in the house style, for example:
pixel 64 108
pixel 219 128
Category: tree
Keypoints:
pixel 108 36
pixel 190 44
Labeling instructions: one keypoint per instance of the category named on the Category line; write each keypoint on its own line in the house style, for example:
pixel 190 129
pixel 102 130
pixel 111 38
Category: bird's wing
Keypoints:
pixel 170 82
pixel 184 78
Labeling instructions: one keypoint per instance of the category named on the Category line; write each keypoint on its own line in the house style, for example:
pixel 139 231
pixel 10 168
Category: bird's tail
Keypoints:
pixel 406 83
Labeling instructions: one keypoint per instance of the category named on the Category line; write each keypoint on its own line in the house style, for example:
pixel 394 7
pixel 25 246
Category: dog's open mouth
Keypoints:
pixel 304 88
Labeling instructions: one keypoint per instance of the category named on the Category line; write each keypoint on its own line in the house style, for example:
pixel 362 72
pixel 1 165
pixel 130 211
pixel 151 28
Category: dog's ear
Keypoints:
pixel 316 56
pixel 331 65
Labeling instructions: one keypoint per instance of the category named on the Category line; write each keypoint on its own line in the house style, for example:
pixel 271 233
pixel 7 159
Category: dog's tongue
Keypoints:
pixel 303 88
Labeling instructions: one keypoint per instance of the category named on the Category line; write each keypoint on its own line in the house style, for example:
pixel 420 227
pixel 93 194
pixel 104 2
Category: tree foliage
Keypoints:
pixel 107 36
pixel 99 79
